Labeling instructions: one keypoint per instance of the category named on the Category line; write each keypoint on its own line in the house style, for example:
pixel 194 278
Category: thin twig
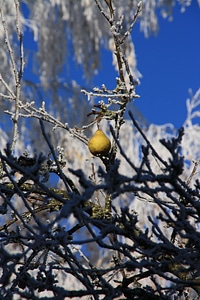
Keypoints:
pixel 17 75
pixel 7 42
pixel 154 152
pixel 12 95
pixel 128 32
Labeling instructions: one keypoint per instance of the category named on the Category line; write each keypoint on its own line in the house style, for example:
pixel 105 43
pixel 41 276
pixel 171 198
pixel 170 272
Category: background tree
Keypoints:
pixel 122 225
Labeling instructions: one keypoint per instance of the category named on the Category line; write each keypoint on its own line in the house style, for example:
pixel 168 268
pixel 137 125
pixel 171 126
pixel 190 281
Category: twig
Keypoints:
pixel 17 75
pixel 196 163
pixel 154 152
pixel 7 42
pixel 42 114
pixel 128 32
pixel 12 95
pixel 62 176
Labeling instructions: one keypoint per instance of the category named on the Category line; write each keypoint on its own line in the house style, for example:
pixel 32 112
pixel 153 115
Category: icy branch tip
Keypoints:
pixel 140 5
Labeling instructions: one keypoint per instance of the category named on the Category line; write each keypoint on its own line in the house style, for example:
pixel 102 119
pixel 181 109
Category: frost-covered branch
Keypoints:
pixel 41 114
pixel 14 63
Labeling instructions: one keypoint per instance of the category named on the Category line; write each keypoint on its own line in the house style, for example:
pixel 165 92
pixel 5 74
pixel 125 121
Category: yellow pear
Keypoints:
pixel 99 144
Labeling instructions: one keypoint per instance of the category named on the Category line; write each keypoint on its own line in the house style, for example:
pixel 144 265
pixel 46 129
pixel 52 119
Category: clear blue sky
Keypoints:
pixel 170 65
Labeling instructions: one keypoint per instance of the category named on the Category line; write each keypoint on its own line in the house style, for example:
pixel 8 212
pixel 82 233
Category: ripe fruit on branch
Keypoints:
pixel 99 144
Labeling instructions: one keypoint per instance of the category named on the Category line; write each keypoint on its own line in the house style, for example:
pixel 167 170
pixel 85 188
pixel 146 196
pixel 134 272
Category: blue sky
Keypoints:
pixel 170 65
